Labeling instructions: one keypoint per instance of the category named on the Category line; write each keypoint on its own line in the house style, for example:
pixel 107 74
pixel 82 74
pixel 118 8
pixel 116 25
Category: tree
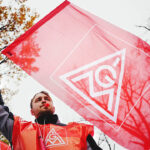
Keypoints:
pixel 15 18
pixel 145 30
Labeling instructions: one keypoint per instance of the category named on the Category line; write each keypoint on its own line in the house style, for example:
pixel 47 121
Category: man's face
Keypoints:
pixel 38 105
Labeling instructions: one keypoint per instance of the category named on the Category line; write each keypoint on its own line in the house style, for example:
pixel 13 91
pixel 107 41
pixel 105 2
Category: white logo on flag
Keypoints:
pixel 53 139
pixel 82 73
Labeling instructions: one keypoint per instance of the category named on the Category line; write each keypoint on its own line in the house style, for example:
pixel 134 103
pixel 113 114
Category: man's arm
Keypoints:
pixel 6 120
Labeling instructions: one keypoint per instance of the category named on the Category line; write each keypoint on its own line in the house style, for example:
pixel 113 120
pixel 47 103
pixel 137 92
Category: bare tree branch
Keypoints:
pixel 143 27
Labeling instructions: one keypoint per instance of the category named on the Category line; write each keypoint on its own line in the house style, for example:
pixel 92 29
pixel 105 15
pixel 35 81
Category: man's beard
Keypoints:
pixel 44 113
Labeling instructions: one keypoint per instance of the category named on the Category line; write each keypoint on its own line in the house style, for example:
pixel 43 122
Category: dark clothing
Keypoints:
pixel 6 120
pixel 47 119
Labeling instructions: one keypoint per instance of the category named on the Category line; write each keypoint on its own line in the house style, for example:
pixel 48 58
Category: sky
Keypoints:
pixel 123 13
pixel 126 14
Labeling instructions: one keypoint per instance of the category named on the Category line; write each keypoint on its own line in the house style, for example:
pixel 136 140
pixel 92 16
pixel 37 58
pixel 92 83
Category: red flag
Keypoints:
pixel 98 69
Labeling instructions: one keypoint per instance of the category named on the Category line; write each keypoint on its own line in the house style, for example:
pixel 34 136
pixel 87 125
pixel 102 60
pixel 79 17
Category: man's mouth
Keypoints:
pixel 46 105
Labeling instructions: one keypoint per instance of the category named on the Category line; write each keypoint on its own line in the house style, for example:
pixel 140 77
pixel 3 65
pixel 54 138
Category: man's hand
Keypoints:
pixel 1 99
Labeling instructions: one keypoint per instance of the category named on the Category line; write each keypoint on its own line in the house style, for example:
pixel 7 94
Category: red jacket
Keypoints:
pixel 33 136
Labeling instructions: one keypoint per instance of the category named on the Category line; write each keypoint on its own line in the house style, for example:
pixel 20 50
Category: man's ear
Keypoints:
pixel 53 110
pixel 32 112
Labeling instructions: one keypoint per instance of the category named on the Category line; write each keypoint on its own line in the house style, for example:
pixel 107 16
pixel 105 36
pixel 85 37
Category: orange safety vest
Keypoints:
pixel 4 146
pixel 33 136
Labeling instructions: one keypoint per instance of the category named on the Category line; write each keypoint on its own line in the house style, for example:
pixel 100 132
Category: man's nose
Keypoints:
pixel 43 100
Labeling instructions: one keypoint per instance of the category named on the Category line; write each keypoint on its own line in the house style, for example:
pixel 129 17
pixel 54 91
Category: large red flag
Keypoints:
pixel 98 69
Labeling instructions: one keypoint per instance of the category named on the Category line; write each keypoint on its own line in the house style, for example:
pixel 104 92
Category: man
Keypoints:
pixel 47 133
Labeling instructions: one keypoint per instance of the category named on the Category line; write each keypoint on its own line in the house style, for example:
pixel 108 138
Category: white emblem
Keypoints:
pixel 53 139
pixel 93 76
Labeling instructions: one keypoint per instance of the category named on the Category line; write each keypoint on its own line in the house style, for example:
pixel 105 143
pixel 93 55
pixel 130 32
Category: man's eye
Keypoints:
pixel 39 99
pixel 46 98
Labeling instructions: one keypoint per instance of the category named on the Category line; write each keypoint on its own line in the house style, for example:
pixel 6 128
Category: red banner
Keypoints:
pixel 98 69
